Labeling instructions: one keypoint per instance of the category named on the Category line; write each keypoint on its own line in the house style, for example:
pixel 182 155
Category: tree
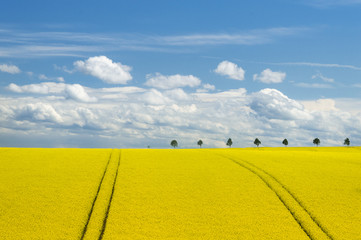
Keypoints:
pixel 174 143
pixel 200 143
pixel 316 141
pixel 257 142
pixel 229 142
pixel 346 142
pixel 285 142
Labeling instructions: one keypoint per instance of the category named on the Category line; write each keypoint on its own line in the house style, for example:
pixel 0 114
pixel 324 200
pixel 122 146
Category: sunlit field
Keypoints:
pixel 252 193
pixel 48 193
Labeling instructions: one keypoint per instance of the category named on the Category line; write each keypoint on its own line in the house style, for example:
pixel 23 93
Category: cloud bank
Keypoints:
pixel 70 91
pixel 158 80
pixel 137 117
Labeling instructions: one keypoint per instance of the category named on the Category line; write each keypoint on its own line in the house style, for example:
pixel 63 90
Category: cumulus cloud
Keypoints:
pixel 38 112
pixel 177 94
pixel 105 69
pixel 273 104
pixel 268 76
pixel 72 91
pixel 12 69
pixel 160 81
pixel 209 86
pixel 14 88
pixel 320 105
pixel 137 117
pixel 237 95
pixel 206 88
pixel 231 70
pixel 155 97
pixel 40 88
pixel 78 93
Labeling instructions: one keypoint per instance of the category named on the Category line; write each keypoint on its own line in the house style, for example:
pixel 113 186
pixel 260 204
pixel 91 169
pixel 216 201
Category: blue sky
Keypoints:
pixel 132 73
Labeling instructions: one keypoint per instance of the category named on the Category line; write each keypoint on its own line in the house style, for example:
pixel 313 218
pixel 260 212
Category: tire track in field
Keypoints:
pixel 110 202
pixel 95 199
pixel 306 221
pixel 297 200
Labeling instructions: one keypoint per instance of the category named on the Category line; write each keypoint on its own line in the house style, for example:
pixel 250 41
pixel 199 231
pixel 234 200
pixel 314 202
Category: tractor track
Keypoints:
pixel 306 219
pixel 110 202
pixel 95 199
pixel 296 199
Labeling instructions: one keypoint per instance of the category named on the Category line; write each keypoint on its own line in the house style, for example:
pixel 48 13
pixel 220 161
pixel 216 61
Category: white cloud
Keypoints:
pixel 12 69
pixel 40 88
pixel 71 91
pixel 137 117
pixel 206 88
pixel 320 105
pixel 231 70
pixel 38 112
pixel 155 97
pixel 78 93
pixel 350 105
pixel 323 78
pixel 14 88
pixel 105 69
pixel 268 76
pixel 177 94
pixel 273 104
pixel 238 95
pixel 209 86
pixel 160 81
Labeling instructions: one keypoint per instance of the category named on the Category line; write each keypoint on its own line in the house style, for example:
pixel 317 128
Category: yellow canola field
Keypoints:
pixel 193 194
pixel 253 193
pixel 96 224
pixel 47 193
pixel 326 181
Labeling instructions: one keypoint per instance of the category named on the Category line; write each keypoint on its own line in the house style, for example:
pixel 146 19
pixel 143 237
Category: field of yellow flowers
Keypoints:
pixel 252 193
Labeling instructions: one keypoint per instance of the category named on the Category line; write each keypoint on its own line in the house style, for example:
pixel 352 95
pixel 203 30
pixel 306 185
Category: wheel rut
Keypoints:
pixel 95 199
pixel 97 218
pixel 307 222
pixel 110 203
pixel 296 199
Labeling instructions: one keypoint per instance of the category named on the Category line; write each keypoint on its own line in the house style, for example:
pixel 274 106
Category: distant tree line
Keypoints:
pixel 257 142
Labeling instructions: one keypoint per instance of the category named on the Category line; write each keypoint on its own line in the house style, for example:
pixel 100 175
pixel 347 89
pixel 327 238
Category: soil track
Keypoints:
pixel 302 216
pixel 95 199
pixel 110 202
